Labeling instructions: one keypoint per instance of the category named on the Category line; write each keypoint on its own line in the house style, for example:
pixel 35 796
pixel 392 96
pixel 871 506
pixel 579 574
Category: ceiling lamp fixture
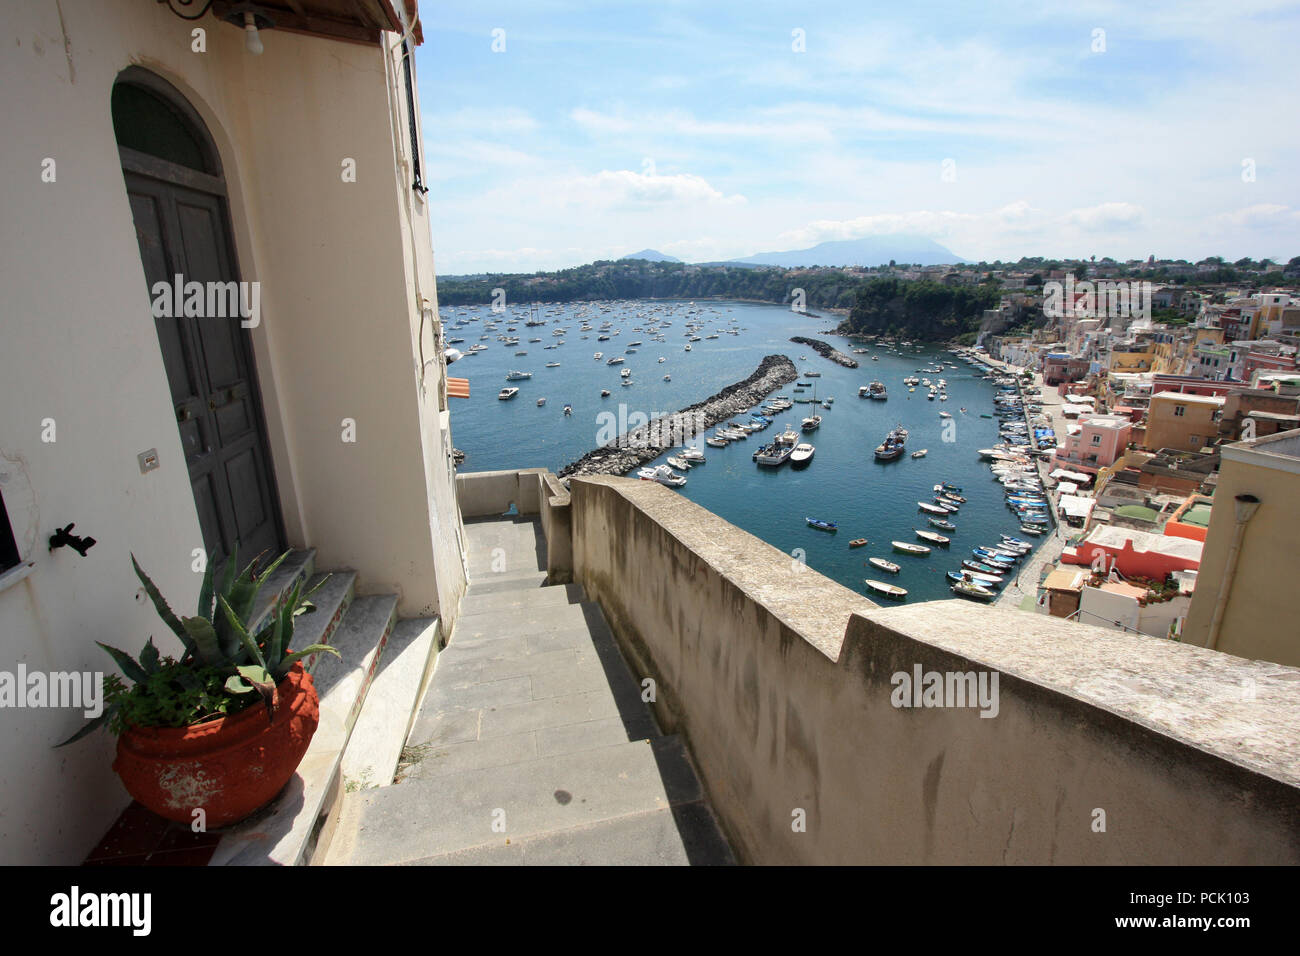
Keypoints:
pixel 252 18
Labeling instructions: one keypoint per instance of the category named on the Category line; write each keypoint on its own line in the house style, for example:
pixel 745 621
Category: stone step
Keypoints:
pixel 298 566
pixel 519 581
pixel 286 832
pixel 684 835
pixel 332 600
pixel 481 809
pixel 479 602
pixel 390 705
pixel 516 621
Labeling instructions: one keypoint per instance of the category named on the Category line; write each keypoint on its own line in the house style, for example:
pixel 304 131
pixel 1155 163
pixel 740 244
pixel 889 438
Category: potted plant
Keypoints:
pixel 223 727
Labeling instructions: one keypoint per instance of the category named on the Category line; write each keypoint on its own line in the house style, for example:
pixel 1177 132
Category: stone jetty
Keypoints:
pixel 825 350
pixel 636 446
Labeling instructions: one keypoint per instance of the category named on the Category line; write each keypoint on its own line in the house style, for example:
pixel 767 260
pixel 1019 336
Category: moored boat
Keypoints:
pixel 972 590
pixel 933 537
pixel 857 543
pixel 889 590
pixel 906 547
pixel 821 525
pixel 884 565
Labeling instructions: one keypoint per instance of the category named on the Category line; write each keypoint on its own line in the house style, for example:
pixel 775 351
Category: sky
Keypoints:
pixel 559 133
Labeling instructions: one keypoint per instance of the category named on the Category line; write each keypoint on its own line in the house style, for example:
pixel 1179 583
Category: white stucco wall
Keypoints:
pixel 338 263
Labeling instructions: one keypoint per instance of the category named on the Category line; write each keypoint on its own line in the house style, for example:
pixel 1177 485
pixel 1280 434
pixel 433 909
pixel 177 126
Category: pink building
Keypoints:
pixel 1098 443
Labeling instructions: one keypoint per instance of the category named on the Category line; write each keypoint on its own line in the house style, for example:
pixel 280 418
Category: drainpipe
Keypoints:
pixel 1246 506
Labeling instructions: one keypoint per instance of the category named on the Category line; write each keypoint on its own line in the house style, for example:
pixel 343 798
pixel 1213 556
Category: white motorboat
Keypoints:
pixel 679 463
pixel 625 373
pixel 507 393
pixel 802 453
pixel 693 455
pixel 598 356
pixel 662 474
pixel 514 376
pixel 541 402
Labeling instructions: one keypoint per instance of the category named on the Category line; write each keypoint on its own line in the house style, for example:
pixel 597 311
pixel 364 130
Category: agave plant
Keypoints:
pixel 223 661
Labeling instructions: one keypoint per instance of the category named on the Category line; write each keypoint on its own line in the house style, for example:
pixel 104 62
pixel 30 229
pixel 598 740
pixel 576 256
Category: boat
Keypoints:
pixel 679 463
pixel 933 509
pixel 802 453
pixel 949 494
pixel 1016 542
pixel 983 580
pixel 889 590
pixel 625 373
pixel 941 523
pixel 693 455
pixel 514 376
pixel 983 568
pixel 972 590
pixel 920 454
pixel 688 346
pixel 875 390
pixel 616 360
pixel 568 409
pixel 892 446
pixel 715 442
pixel 858 543
pixel 822 525
pixel 668 378
pixel 933 537
pixel 884 564
pixel 604 393
pixel 507 393
pixel 811 423
pixel 541 402
pixel 774 454
pixel 662 360
pixel 662 474
pixel 598 356
pixel 906 547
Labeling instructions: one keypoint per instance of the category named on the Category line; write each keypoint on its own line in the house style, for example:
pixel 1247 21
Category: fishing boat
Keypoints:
pixel 888 590
pixel 906 547
pixel 983 568
pixel 822 525
pixel 507 393
pixel 973 591
pixel 662 474
pixel 774 454
pixel 942 524
pixel 950 495
pixel 932 509
pixel 892 446
pixel 1030 529
pixel 885 564
pixel 933 537
pixel 920 454
pixel 857 543
pixel 802 453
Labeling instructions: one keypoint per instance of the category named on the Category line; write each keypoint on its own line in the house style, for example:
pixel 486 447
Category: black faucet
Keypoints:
pixel 65 536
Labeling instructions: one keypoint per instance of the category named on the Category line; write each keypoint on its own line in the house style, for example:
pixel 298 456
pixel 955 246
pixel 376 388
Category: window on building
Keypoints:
pixel 9 557
pixel 1195 440
pixel 1179 411
pixel 1096 439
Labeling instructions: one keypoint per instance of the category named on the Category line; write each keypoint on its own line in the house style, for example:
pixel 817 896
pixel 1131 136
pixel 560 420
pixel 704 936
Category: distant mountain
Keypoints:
pixel 651 255
pixel 871 251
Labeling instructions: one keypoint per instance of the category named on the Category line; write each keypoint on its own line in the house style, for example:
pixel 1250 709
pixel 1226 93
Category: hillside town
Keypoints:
pixel 1169 406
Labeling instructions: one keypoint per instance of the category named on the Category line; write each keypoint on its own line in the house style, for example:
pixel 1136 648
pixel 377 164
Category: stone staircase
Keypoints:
pixel 532 744
pixel 369 638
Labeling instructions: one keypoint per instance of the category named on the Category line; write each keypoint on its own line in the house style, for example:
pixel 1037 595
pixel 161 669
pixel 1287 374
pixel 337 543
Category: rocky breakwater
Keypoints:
pixel 825 350
pixel 646 442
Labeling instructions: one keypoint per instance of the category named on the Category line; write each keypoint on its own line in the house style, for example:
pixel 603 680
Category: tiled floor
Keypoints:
pixel 141 838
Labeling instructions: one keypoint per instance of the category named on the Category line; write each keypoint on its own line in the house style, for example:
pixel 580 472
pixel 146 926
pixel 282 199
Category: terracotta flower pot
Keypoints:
pixel 228 767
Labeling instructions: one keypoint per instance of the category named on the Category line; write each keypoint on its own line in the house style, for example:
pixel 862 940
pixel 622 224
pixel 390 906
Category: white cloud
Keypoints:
pixel 623 186
pixel 1106 217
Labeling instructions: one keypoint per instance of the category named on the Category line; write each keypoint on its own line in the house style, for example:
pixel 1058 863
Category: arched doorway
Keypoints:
pixel 178 200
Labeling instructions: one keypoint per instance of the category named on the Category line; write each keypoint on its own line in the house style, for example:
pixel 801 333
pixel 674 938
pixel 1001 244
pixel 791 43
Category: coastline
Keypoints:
pixel 645 443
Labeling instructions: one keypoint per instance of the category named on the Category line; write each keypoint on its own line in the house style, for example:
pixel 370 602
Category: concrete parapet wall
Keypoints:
pixel 484 493
pixel 782 683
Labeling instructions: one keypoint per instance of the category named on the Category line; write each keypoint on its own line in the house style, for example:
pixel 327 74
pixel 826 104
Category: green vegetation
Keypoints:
pixel 928 311
pixel 824 288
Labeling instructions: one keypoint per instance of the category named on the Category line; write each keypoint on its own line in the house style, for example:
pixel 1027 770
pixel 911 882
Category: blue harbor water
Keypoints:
pixel 844 483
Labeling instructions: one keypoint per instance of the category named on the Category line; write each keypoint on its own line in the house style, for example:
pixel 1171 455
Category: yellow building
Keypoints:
pixel 1244 604
pixel 1182 420
pixel 1132 358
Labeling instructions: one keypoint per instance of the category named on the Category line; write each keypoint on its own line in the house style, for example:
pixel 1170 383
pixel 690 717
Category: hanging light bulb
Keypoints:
pixel 252 42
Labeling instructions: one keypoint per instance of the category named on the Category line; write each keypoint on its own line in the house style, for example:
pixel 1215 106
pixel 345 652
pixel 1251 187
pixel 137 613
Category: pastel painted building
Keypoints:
pixel 1182 420
pixel 1100 440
